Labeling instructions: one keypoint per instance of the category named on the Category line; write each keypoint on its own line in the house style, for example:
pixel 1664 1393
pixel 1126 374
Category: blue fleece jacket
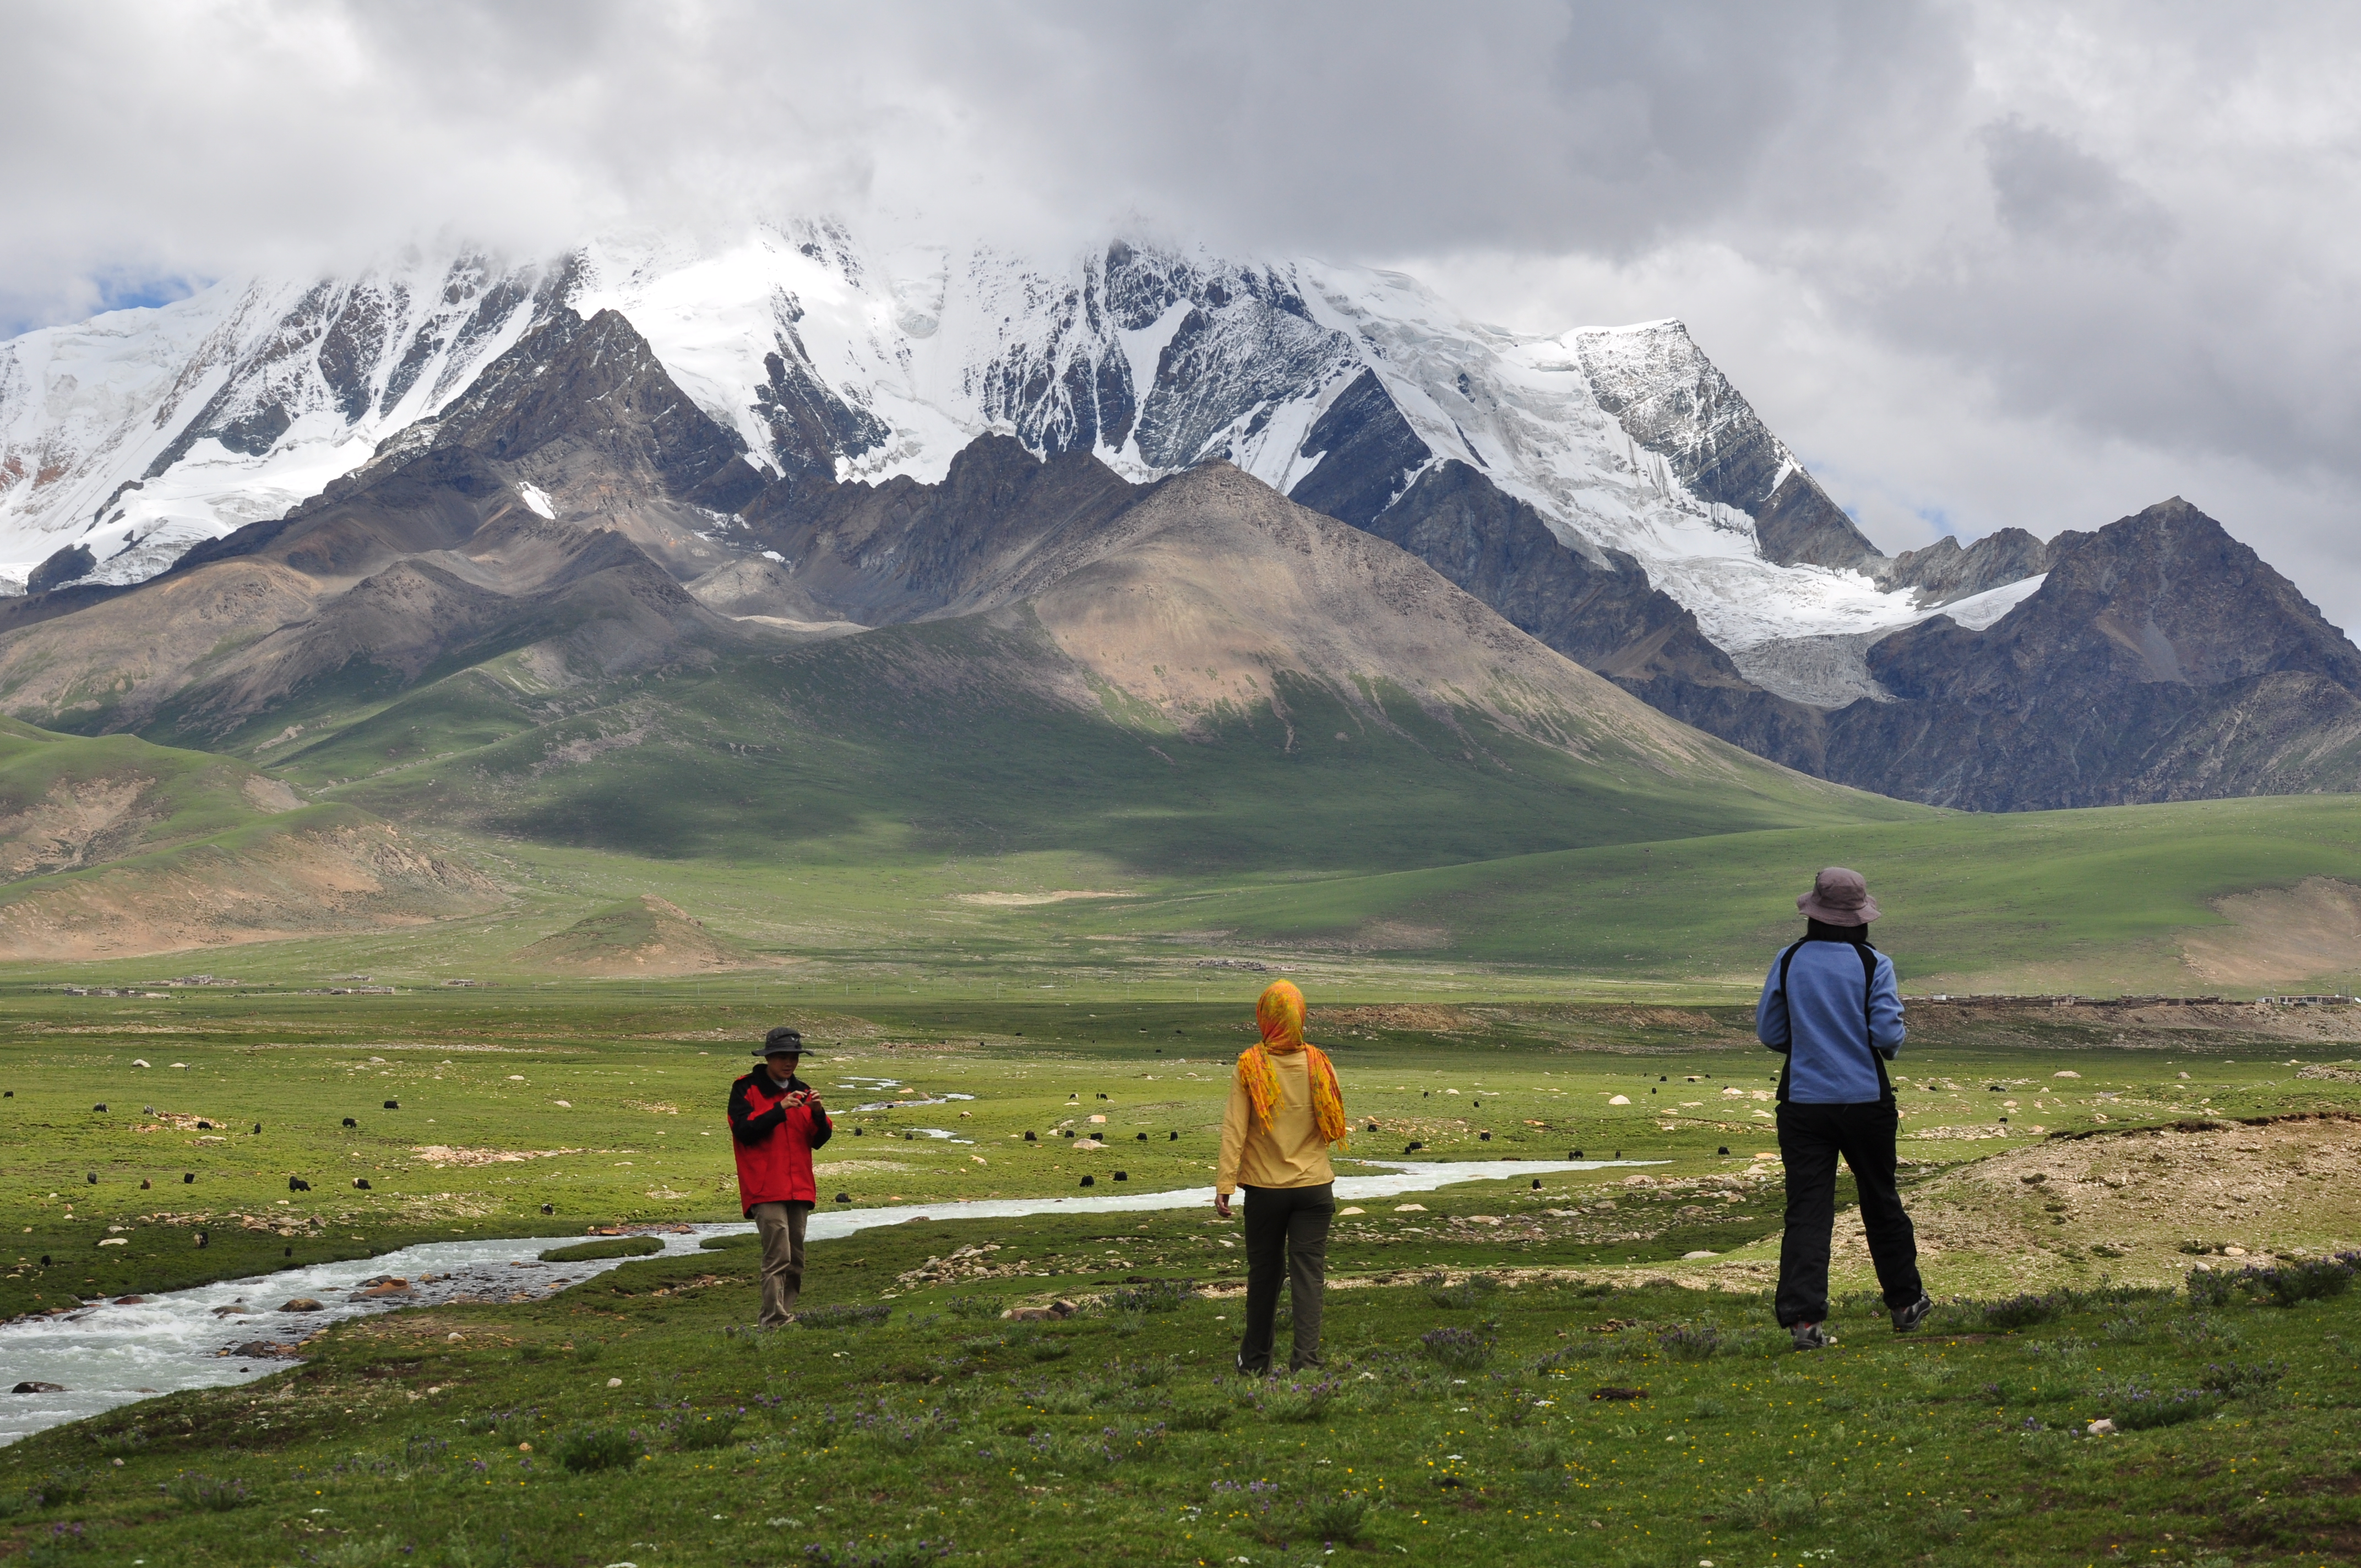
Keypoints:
pixel 1821 1022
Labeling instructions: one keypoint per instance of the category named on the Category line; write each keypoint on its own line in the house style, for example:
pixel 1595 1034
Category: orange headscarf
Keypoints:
pixel 1280 1013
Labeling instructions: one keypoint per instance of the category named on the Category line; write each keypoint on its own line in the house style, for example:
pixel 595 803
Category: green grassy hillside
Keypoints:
pixel 935 737
pixel 2104 899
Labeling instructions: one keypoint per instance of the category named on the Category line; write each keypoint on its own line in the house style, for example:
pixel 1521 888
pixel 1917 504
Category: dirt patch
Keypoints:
pixel 2147 1202
pixel 1424 1020
pixel 439 1154
pixel 2281 936
pixel 646 935
pixel 1027 899
pixel 819 1030
pixel 329 879
pixel 268 796
pixel 76 824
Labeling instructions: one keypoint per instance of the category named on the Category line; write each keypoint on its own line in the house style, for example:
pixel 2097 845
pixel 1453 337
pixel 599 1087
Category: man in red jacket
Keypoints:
pixel 776 1122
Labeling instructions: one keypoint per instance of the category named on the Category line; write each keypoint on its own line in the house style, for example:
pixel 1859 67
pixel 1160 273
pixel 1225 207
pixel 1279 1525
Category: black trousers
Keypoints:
pixel 1811 1138
pixel 1287 1235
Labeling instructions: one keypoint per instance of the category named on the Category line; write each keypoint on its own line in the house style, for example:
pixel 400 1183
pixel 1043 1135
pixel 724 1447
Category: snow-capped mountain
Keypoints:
pixel 139 432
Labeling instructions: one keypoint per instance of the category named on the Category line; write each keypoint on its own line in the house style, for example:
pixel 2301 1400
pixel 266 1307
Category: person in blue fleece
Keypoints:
pixel 1830 1006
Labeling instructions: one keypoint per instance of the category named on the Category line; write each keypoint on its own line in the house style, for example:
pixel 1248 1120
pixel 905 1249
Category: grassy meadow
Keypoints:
pixel 1460 1417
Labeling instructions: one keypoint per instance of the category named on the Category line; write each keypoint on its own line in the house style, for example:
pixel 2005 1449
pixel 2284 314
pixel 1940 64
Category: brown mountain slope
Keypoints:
pixel 646 935
pixel 112 848
pixel 1209 595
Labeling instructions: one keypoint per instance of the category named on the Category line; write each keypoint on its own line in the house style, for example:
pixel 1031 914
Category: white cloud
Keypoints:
pixel 1982 263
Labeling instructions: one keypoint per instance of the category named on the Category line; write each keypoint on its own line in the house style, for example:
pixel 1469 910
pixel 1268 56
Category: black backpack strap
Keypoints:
pixel 1869 1018
pixel 1787 1050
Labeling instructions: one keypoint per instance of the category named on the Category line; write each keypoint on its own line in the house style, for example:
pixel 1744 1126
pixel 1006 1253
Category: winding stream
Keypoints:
pixel 114 1353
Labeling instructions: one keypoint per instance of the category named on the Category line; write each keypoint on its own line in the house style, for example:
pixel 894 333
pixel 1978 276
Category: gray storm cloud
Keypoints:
pixel 1982 263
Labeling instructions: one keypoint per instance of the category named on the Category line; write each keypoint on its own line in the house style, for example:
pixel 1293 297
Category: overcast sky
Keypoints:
pixel 1981 264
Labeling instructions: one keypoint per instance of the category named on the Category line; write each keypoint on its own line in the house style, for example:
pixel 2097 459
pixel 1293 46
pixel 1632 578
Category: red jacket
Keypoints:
pixel 775 1131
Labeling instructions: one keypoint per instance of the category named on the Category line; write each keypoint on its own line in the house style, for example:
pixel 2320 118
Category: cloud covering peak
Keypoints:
pixel 1981 263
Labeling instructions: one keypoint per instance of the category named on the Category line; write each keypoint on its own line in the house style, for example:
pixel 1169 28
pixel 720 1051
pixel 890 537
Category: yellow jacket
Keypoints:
pixel 1292 1154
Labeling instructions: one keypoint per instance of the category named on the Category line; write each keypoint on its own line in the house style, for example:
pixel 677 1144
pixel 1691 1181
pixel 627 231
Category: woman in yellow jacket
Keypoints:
pixel 1285 1111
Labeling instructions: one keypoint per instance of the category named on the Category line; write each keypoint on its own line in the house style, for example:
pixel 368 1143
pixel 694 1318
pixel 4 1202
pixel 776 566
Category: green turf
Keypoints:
pixel 933 730
pixel 1116 1432
pixel 640 1134
pixel 1454 1421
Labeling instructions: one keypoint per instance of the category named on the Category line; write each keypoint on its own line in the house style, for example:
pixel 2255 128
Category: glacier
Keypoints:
pixel 139 432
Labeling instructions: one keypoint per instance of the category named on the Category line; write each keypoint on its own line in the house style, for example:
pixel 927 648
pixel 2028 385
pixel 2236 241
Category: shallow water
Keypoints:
pixel 105 1356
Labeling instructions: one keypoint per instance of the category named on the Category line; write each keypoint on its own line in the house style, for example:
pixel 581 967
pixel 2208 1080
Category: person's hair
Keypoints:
pixel 784 1038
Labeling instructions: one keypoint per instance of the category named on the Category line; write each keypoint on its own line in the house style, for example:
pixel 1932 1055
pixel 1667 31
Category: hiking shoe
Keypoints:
pixel 1809 1336
pixel 1910 1317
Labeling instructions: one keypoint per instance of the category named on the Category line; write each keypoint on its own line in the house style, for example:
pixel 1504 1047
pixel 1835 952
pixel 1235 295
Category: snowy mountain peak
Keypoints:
pixel 140 433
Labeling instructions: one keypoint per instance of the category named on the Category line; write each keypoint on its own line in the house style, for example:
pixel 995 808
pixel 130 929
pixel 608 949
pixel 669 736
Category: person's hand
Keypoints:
pixel 1222 1204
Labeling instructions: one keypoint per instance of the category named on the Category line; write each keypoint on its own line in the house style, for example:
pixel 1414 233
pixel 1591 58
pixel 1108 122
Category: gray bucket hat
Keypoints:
pixel 781 1041
pixel 1839 897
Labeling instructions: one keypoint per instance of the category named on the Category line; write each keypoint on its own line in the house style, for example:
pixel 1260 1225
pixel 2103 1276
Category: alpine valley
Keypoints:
pixel 1261 584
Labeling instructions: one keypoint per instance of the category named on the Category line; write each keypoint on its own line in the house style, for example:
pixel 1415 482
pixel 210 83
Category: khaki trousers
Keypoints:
pixel 781 1226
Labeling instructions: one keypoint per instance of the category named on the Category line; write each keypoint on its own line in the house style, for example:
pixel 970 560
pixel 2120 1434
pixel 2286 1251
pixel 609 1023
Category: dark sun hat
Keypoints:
pixel 782 1041
pixel 1839 897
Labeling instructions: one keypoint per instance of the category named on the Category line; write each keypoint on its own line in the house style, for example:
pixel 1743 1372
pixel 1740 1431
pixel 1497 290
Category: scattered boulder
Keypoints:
pixel 1054 1311
pixel 263 1350
pixel 31 1386
pixel 301 1304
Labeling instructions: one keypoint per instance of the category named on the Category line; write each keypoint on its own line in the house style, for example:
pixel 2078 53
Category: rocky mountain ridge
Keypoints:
pixel 578 497
pixel 126 439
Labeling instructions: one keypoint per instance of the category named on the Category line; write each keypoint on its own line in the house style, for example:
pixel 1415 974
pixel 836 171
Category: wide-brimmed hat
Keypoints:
pixel 1839 897
pixel 782 1041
